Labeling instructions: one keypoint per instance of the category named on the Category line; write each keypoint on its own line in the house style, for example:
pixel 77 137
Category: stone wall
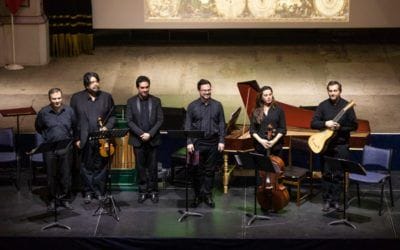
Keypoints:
pixel 369 73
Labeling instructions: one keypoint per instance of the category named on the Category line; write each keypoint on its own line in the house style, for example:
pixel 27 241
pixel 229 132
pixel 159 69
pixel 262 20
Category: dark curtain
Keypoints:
pixel 71 27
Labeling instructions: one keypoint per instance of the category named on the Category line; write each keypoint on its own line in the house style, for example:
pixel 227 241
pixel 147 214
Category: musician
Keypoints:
pixel 205 114
pixel 91 104
pixel 268 119
pixel 338 146
pixel 55 122
pixel 145 117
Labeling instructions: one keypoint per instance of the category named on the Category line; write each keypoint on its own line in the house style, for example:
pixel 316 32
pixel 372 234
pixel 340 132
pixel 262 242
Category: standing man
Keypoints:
pixel 145 118
pixel 90 105
pixel 55 122
pixel 205 114
pixel 338 146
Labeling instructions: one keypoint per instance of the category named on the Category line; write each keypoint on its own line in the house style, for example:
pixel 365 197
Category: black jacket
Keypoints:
pixel 79 102
pixel 326 111
pixel 156 119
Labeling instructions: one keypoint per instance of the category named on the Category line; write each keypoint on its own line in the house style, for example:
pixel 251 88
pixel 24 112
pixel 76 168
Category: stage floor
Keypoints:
pixel 23 214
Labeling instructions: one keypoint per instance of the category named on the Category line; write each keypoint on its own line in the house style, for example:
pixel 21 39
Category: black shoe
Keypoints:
pixel 142 197
pixel 209 201
pixel 100 197
pixel 326 206
pixel 67 205
pixel 154 197
pixel 51 207
pixel 88 198
pixel 338 207
pixel 196 202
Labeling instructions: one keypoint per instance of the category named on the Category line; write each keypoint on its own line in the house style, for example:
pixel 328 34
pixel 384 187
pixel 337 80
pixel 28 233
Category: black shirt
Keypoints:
pixel 55 126
pixel 208 117
pixel 144 115
pixel 275 118
pixel 327 110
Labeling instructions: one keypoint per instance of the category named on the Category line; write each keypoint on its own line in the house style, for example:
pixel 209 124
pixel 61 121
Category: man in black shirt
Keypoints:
pixel 55 122
pixel 145 117
pixel 90 105
pixel 338 146
pixel 207 115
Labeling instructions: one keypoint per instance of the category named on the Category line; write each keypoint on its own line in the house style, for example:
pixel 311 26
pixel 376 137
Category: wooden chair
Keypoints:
pixel 300 169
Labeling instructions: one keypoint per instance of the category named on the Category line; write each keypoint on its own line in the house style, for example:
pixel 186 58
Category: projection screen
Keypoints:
pixel 217 14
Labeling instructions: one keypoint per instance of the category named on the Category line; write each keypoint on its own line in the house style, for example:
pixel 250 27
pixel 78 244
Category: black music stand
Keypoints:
pixel 18 112
pixel 46 147
pixel 257 162
pixel 347 167
pixel 109 200
pixel 186 134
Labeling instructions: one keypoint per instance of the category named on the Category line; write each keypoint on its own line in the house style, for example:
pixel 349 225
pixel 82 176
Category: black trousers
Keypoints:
pixel 203 174
pixel 332 181
pixel 146 165
pixel 76 185
pixel 93 169
pixel 58 166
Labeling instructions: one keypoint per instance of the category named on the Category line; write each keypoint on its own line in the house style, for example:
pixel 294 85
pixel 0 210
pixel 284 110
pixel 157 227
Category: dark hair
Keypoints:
pixel 54 90
pixel 142 79
pixel 87 76
pixel 202 82
pixel 331 83
pixel 259 109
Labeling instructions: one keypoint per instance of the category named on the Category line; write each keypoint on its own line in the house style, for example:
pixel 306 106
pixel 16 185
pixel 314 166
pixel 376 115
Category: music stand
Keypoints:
pixel 186 134
pixel 257 162
pixel 17 112
pixel 46 147
pixel 109 199
pixel 346 166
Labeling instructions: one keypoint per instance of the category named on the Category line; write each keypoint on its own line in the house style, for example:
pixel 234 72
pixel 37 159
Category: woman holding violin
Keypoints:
pixel 268 123
pixel 267 127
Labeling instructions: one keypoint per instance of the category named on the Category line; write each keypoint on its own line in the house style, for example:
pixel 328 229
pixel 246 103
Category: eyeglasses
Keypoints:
pixel 93 81
pixel 205 90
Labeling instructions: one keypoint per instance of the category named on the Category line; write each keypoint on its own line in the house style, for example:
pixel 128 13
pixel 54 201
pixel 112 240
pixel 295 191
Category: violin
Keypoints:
pixel 271 193
pixel 106 148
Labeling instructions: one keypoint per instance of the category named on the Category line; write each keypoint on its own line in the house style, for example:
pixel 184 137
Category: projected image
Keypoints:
pixel 247 10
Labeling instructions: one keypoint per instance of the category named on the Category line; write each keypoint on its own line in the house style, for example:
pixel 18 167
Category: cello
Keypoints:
pixel 271 193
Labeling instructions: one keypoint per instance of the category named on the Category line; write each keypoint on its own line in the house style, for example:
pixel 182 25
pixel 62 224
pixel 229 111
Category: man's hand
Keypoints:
pixel 78 144
pixel 332 125
pixel 190 148
pixel 221 147
pixel 145 137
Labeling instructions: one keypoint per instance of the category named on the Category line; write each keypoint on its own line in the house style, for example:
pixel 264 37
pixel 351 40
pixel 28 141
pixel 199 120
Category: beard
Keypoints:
pixel 93 91
pixel 144 96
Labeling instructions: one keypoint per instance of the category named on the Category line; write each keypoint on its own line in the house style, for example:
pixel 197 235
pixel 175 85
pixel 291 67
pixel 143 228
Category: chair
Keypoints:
pixel 34 160
pixel 298 171
pixel 377 162
pixel 8 154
